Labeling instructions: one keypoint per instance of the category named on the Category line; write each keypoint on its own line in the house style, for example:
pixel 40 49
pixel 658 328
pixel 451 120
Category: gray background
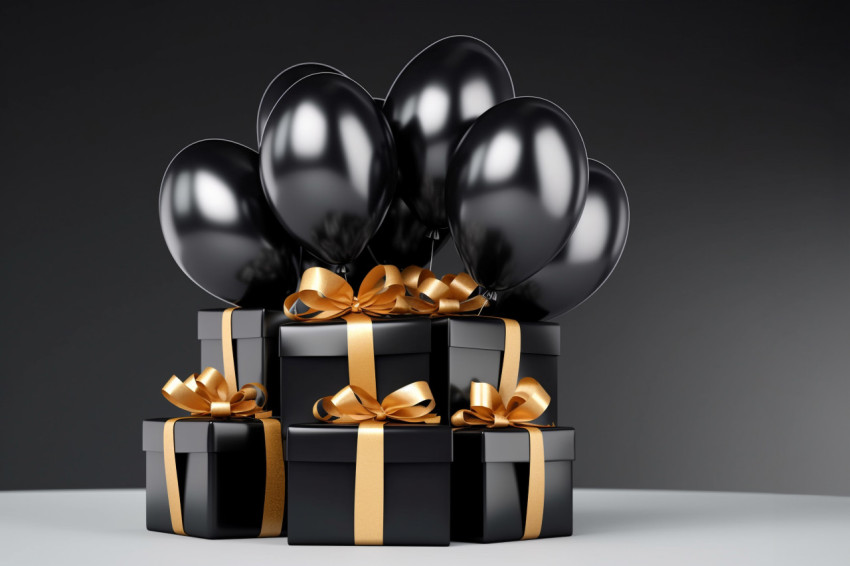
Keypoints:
pixel 715 358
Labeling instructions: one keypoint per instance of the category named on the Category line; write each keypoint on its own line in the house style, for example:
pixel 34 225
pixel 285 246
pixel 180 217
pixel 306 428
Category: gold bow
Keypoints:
pixel 328 296
pixel 528 401
pixel 214 395
pixel 210 394
pixel 411 404
pixel 441 297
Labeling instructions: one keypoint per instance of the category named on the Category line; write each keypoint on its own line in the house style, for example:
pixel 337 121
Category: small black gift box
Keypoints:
pixel 254 335
pixel 467 348
pixel 321 461
pixel 221 473
pixel 490 476
pixel 314 361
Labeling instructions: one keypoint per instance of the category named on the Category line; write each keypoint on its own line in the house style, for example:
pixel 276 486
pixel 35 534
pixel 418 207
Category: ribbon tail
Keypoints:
pixel 275 495
pixel 361 352
pixel 172 483
pixel 536 484
pixel 369 484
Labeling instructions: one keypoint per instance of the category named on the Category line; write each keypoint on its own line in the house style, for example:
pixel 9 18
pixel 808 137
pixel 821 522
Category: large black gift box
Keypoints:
pixel 314 362
pixel 490 483
pixel 254 333
pixel 321 474
pixel 467 348
pixel 221 471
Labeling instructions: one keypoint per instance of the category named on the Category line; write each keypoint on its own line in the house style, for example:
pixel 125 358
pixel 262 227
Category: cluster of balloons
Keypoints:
pixel 345 181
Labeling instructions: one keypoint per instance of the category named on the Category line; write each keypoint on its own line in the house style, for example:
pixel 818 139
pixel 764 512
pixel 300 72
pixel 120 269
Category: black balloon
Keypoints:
pixel 515 190
pixel 328 166
pixel 402 239
pixel 580 269
pixel 433 101
pixel 220 229
pixel 281 84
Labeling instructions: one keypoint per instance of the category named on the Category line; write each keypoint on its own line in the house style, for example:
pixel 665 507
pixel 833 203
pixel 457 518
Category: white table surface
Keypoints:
pixel 611 527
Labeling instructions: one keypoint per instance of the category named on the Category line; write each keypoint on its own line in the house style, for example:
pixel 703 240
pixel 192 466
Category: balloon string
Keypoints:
pixel 371 253
pixel 431 261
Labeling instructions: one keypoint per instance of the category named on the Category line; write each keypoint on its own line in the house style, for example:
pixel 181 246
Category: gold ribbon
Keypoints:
pixel 328 296
pixel 448 296
pixel 211 394
pixel 412 403
pixel 528 401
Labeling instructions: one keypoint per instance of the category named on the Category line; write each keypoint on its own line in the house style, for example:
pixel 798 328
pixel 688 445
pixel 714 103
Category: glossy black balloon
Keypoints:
pixel 515 189
pixel 281 84
pixel 220 229
pixel 433 101
pixel 580 269
pixel 328 166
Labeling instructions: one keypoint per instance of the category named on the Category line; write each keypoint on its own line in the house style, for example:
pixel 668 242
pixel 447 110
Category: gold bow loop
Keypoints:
pixel 412 403
pixel 486 408
pixel 210 394
pixel 327 295
pixel 441 297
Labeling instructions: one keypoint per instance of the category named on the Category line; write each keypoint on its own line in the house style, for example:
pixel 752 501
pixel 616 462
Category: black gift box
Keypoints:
pixel 254 334
pixel 467 348
pixel 490 483
pixel 221 471
pixel 321 474
pixel 314 362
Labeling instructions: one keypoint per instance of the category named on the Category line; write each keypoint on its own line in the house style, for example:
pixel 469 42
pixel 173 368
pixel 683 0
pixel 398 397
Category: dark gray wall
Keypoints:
pixel 717 355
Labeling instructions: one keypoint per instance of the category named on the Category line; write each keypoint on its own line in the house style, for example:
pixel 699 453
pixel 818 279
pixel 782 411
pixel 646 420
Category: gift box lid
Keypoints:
pixel 403 443
pixel 204 434
pixel 390 336
pixel 484 333
pixel 246 323
pixel 511 444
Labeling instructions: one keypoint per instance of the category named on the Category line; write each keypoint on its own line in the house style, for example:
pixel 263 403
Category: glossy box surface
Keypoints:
pixel 221 470
pixel 490 484
pixel 314 362
pixel 467 348
pixel 254 333
pixel 321 475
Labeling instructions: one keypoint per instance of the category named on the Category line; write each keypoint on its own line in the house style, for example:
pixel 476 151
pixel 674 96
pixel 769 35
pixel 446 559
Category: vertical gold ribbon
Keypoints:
pixel 275 495
pixel 214 394
pixel 172 485
pixel 227 347
pixel 510 359
pixel 361 352
pixel 536 484
pixel 369 484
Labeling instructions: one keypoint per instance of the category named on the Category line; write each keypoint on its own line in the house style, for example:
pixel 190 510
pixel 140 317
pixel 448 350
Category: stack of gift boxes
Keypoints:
pixel 394 430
